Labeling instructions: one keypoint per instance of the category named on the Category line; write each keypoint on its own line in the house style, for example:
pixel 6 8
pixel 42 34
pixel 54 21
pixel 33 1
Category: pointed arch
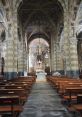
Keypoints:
pixel 18 3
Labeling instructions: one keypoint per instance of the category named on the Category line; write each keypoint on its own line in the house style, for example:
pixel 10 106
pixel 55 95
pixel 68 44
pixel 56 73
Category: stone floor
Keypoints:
pixel 44 102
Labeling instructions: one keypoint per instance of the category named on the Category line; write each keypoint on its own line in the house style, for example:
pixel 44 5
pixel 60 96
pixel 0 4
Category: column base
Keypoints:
pixel 60 71
pixel 10 75
pixel 72 73
pixel 20 73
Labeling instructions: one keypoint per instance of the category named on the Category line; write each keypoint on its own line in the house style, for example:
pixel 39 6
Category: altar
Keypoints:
pixel 41 76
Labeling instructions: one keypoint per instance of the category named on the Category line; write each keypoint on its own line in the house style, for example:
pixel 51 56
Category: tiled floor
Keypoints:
pixel 44 102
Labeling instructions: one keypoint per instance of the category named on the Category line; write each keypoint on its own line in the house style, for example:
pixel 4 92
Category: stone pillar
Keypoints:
pixel 11 52
pixel 74 57
pixel 25 57
pixel 67 44
pixel 59 61
pixel 55 57
pixel 0 58
pixel 10 70
pixel 15 31
pixel 70 47
pixel 52 54
pixel 56 63
pixel 20 59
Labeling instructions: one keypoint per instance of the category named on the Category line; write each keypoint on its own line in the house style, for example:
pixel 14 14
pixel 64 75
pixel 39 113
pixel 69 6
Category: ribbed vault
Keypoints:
pixel 40 18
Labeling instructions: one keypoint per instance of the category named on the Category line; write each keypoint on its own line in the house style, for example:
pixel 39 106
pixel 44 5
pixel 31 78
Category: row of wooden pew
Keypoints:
pixel 69 89
pixel 13 94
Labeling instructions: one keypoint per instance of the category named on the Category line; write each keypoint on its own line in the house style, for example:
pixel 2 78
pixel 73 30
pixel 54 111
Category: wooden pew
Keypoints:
pixel 62 84
pixel 10 104
pixel 69 89
pixel 19 92
pixel 77 107
pixel 73 91
pixel 16 88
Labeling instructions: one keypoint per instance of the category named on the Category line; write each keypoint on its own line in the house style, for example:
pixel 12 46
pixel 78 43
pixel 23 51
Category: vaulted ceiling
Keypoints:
pixel 40 12
pixel 41 8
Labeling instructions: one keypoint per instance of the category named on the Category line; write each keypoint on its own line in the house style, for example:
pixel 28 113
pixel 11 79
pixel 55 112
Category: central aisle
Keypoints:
pixel 44 102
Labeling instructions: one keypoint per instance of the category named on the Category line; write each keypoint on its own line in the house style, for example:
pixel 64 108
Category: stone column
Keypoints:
pixel 55 56
pixel 15 35
pixel 52 55
pixel 67 44
pixel 25 57
pixel 11 52
pixel 56 63
pixel 0 58
pixel 10 70
pixel 70 47
pixel 74 57
pixel 59 61
pixel 20 59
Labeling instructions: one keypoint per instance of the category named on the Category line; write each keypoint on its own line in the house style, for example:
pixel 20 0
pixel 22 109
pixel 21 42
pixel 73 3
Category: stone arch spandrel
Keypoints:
pixel 3 19
pixel 17 3
pixel 78 21
pixel 63 3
